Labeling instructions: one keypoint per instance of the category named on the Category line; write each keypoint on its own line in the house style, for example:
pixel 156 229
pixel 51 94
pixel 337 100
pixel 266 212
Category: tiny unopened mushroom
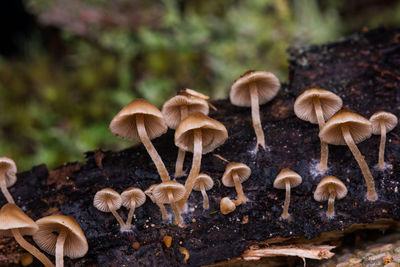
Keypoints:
pixel 8 177
pixel 235 174
pixel 227 205
pixel 330 188
pixel 109 200
pixel 203 183
pixel 169 193
pixel 382 122
pixel 149 193
pixel 287 179
pixel 132 198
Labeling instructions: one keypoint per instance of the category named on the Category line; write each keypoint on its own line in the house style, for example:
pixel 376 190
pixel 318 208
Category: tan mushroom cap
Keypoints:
pixel 304 106
pixel 322 191
pixel 75 245
pixel 160 192
pixel 8 167
pixel 241 169
pixel 204 179
pixel 213 132
pixel 267 86
pixel 12 217
pixel 389 120
pixel 124 126
pixel 193 93
pixel 107 194
pixel 287 175
pixel 172 108
pixel 227 206
pixel 133 193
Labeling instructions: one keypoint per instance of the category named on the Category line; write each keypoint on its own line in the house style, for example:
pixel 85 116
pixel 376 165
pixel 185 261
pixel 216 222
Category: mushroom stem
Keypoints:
pixel 205 197
pixel 285 214
pixel 369 180
pixel 255 114
pixel 130 215
pixel 5 191
pixel 60 248
pixel 160 205
pixel 181 153
pixel 31 248
pixel 116 215
pixel 241 198
pixel 381 161
pixel 323 163
pixel 171 199
pixel 331 203
pixel 162 171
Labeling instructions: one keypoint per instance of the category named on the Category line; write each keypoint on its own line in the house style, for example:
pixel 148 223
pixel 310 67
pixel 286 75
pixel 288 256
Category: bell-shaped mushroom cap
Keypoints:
pixel 103 196
pixel 124 123
pixel 226 205
pixel 241 169
pixel 213 133
pixel 193 93
pixel 12 217
pixel 322 191
pixel 75 245
pixel 160 192
pixel 359 127
pixel 172 108
pixel 304 107
pixel 267 86
pixel 204 179
pixel 133 193
pixel 9 168
pixel 389 120
pixel 287 175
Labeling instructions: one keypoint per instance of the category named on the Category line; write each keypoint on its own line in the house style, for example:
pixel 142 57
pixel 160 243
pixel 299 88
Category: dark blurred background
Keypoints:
pixel 68 66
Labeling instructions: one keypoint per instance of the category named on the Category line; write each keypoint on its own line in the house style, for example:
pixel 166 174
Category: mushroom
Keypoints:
pixel 203 183
pixel 132 198
pixel 61 236
pixel 227 206
pixel 349 128
pixel 287 179
pixel 195 94
pixel 382 122
pixel 199 134
pixel 14 222
pixel 317 105
pixel 174 111
pixel 255 88
pixel 235 174
pixel 330 188
pixel 149 193
pixel 142 121
pixel 109 200
pixel 8 177
pixel 169 193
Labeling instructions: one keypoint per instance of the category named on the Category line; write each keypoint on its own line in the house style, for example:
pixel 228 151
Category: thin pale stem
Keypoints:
pixel 130 215
pixel 241 198
pixel 323 163
pixel 331 204
pixel 381 161
pixel 161 206
pixel 369 180
pixel 255 115
pixel 172 202
pixel 60 248
pixel 285 214
pixel 5 191
pixel 205 197
pixel 180 159
pixel 31 248
pixel 116 215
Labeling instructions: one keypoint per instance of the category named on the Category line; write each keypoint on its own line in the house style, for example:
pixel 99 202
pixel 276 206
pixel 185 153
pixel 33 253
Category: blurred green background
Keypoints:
pixel 68 66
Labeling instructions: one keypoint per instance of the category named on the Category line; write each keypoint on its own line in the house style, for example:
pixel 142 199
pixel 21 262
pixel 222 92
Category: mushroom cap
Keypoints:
pixel 322 191
pixel 287 175
pixel 75 245
pixel 359 127
pixel 267 86
pixel 172 108
pixel 213 133
pixel 107 194
pixel 389 120
pixel 304 106
pixel 12 217
pixel 226 205
pixel 9 168
pixel 204 179
pixel 123 125
pixel 133 193
pixel 241 169
pixel 193 93
pixel 160 192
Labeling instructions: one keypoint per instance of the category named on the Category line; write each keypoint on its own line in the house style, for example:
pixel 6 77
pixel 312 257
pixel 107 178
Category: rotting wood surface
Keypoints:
pixel 363 69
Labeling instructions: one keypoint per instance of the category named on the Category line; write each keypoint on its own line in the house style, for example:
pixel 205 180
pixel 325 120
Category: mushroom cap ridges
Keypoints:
pixel 390 121
pixel 227 205
pixel 107 194
pixel 172 108
pixel 193 93
pixel 322 191
pixel 123 125
pixel 12 217
pixel 160 192
pixel 204 179
pixel 213 132
pixel 9 168
pixel 359 127
pixel 287 175
pixel 133 193
pixel 304 107
pixel 75 245
pixel 267 86
pixel 242 170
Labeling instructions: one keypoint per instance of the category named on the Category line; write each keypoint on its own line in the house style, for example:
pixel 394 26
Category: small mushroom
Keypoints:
pixel 8 176
pixel 149 193
pixel 226 205
pixel 382 122
pixel 252 89
pixel 195 94
pixel 330 188
pixel 61 236
pixel 203 183
pixel 287 179
pixel 132 198
pixel 109 200
pixel 169 193
pixel 235 174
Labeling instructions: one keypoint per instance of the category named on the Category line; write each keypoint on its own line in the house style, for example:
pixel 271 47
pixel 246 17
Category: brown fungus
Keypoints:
pixel 330 188
pixel 132 198
pixel 227 205
pixel 8 177
pixel 109 200
pixel 149 193
pixel 235 174
pixel 203 183
pixel 169 193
